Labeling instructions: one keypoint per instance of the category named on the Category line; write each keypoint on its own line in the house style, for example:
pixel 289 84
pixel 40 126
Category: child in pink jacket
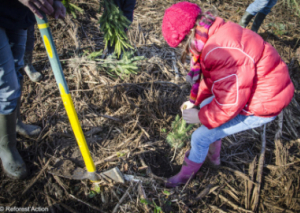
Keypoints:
pixel 245 82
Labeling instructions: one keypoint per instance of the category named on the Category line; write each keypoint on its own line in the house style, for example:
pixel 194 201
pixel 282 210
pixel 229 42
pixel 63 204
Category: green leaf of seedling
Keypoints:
pixel 120 154
pixel 163 130
pixel 92 194
pixel 75 7
pixel 157 208
pixel 144 201
pixel 96 188
pixel 179 134
pixel 94 55
pixel 166 193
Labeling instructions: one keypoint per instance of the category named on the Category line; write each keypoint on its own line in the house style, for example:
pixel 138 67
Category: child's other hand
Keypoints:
pixel 191 116
pixel 186 105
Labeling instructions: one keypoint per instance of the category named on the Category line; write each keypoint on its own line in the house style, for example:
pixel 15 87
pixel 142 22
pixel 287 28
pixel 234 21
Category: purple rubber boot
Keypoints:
pixel 188 169
pixel 214 153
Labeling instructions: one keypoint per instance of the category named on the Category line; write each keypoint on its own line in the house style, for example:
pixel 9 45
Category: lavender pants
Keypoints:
pixel 203 137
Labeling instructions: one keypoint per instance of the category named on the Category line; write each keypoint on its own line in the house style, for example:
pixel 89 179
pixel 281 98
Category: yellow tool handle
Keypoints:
pixel 73 118
pixel 64 92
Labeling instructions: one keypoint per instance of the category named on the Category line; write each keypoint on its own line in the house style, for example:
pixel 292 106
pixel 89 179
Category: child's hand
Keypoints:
pixel 191 116
pixel 186 105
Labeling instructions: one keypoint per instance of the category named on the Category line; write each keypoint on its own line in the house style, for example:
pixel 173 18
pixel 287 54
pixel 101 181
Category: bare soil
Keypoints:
pixel 126 122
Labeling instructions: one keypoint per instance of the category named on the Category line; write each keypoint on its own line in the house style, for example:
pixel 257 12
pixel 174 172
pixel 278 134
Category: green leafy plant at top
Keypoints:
pixel 293 4
pixel 71 8
pixel 113 24
pixel 115 67
pixel 178 136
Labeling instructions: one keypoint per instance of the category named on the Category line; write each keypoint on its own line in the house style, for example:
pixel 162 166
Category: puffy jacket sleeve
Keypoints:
pixel 231 89
pixel 203 93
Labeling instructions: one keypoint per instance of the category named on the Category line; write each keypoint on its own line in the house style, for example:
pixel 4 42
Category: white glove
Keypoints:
pixel 191 116
pixel 186 105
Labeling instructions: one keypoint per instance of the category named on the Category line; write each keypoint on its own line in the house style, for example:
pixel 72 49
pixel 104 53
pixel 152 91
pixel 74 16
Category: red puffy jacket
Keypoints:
pixel 244 73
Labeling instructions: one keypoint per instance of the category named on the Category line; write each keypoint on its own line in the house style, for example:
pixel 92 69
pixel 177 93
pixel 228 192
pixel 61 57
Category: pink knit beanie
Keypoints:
pixel 178 20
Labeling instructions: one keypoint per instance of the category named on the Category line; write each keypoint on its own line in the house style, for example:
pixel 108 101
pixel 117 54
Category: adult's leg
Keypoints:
pixel 9 78
pixel 119 3
pixel 128 8
pixel 30 39
pixel 252 10
pixel 257 6
pixel 12 163
pixel 16 37
pixel 261 15
pixel 267 9
pixel 34 75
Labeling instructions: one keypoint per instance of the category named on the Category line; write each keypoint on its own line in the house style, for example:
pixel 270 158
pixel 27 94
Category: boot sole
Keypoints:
pixel 11 176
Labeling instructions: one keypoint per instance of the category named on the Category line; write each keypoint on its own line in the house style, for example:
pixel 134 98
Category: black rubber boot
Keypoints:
pixel 246 18
pixel 12 162
pixel 259 18
pixel 26 130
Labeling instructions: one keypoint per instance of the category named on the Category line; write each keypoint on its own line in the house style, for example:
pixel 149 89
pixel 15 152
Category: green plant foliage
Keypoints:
pixel 166 192
pixel 94 55
pixel 157 209
pixel 120 154
pixel 96 188
pixel 179 135
pixel 113 66
pixel 113 24
pixel 144 201
pixel 92 194
pixel 127 65
pixel 71 8
pixel 278 29
pixel 293 4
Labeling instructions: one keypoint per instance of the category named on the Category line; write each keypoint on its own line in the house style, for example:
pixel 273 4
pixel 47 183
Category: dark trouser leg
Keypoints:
pixel 128 8
pixel 12 48
pixel 259 18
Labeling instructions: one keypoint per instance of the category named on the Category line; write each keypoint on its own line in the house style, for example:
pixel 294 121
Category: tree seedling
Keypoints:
pixel 178 136
pixel 72 8
pixel 113 24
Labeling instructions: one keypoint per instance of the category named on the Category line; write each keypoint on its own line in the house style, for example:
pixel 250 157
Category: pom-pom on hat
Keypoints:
pixel 178 20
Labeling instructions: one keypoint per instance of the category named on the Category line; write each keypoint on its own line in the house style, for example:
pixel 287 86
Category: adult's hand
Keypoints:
pixel 191 116
pixel 39 5
pixel 59 10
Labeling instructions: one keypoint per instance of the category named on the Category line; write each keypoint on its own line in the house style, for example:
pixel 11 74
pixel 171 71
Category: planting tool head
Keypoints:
pixel 67 169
